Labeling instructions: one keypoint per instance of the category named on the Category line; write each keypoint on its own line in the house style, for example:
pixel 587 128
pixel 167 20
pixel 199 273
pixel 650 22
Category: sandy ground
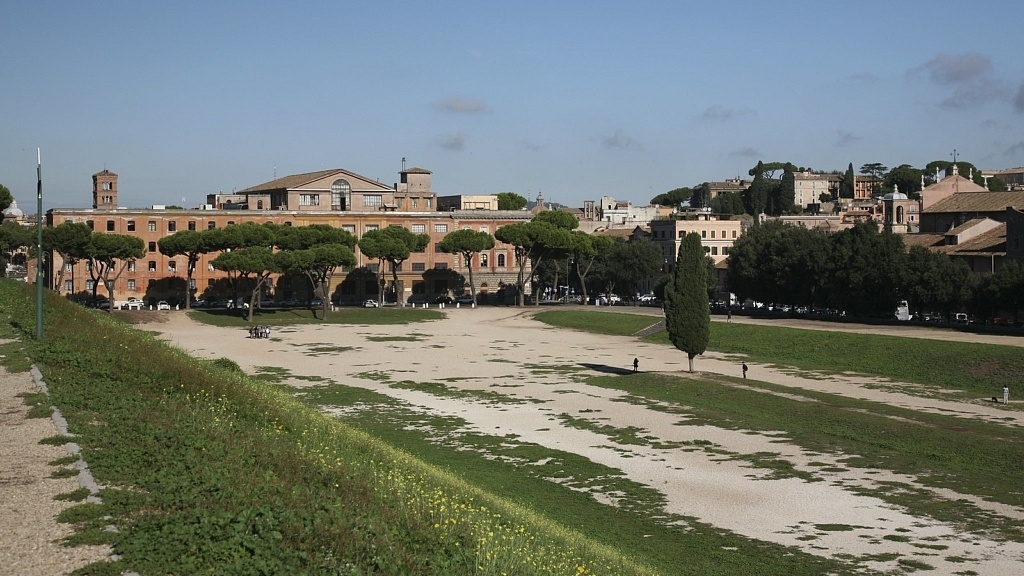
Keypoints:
pixel 500 349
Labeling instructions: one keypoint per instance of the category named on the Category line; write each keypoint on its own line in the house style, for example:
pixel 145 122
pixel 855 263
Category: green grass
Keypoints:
pixel 959 369
pixel 210 472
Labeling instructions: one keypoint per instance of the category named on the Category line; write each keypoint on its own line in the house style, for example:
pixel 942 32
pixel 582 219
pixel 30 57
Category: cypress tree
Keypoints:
pixel 687 313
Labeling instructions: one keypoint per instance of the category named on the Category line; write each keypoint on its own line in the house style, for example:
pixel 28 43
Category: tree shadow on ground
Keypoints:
pixel 606 369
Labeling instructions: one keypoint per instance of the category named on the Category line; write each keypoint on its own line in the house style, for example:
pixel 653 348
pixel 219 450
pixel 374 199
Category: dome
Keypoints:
pixel 13 211
pixel 895 196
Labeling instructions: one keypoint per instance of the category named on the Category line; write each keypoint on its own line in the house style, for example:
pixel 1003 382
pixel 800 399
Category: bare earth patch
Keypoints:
pixel 479 350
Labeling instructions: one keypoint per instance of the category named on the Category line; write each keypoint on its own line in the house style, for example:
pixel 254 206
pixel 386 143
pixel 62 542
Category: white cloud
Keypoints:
pixel 619 140
pixel 454 142
pixel 717 113
pixel 462 106
pixel 845 138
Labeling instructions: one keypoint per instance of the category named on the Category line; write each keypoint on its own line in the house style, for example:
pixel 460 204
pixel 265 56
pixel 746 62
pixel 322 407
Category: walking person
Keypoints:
pixel 636 364
pixel 744 370
pixel 1006 394
pixel 728 315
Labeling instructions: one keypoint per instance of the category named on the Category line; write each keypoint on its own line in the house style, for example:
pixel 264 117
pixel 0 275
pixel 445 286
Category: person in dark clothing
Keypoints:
pixel 744 369
pixel 636 364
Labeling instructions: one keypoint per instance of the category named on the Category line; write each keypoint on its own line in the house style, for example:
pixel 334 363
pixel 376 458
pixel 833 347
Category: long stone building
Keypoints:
pixel 335 197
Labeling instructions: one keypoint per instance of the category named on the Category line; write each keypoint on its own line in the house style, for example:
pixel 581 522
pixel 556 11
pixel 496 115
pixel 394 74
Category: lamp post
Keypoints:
pixel 39 244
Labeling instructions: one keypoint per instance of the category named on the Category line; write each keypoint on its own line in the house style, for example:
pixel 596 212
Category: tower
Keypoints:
pixel 104 190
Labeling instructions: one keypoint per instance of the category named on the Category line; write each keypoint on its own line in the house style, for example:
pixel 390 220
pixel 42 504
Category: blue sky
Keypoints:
pixel 574 100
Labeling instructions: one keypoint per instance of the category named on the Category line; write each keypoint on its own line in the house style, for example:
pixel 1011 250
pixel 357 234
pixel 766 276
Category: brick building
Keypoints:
pixel 334 197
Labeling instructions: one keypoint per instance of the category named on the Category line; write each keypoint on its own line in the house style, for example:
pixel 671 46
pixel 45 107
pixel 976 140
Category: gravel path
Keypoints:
pixel 31 541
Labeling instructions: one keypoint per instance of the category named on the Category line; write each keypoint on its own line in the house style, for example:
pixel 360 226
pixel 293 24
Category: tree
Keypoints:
pixel 585 249
pixel 190 244
pixel 392 244
pixel 687 312
pixel 784 196
pixel 510 201
pixel 315 251
pixel 728 203
pixel 701 196
pixel 755 197
pixel 779 263
pixel 864 270
pixel 525 239
pixel 6 199
pixel 109 255
pixel 876 170
pixel 467 242
pixel 256 263
pixel 673 197
pixel 906 178
pixel 934 282
pixel 848 183
pixel 12 237
pixel 625 265
pixel 71 241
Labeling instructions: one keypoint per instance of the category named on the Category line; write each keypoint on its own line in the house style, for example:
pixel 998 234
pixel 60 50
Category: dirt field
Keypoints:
pixel 494 349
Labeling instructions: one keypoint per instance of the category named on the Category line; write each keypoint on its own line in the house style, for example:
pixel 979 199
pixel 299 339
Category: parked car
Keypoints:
pixel 446 300
pixel 132 304
pixel 316 303
pixel 370 304
pixel 465 299
pixel 163 305
pixel 290 302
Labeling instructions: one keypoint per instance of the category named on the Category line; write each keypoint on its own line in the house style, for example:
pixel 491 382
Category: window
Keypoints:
pixel 441 228
pixel 396 266
pixel 309 199
pixel 725 250
pixel 714 250
pixel 192 283
pixel 703 233
pixel 341 192
pixel 106 186
pixel 371 227
pixel 484 259
pixel 231 222
pixel 712 233
pixel 259 204
pixel 350 228
pixel 501 260
pixel 68 267
pixel 372 200
pixel 211 225
pixel 152 226
pixel 419 267
pixel 429 203
pixel 131 225
pixel 172 266
pixel 441 266
pixel 415 202
pixel 192 225
pixel 131 285
pixel 69 286
pixel 91 224
pixel 131 265
pixel 152 265
pixel 707 250
pixel 734 234
pixel 484 229
pixel 418 228
pixel 172 226
pixel 152 246
pixel 723 233
pixel 90 284
pixel 110 225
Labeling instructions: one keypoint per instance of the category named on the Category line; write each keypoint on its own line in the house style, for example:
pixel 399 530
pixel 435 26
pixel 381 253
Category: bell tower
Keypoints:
pixel 104 190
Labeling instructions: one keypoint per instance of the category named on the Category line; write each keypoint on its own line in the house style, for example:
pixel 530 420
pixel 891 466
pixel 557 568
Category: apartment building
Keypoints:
pixel 717 233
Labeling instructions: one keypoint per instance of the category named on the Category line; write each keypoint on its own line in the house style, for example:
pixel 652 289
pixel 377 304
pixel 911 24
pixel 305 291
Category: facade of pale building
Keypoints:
pixel 717 235
pixel 422 277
